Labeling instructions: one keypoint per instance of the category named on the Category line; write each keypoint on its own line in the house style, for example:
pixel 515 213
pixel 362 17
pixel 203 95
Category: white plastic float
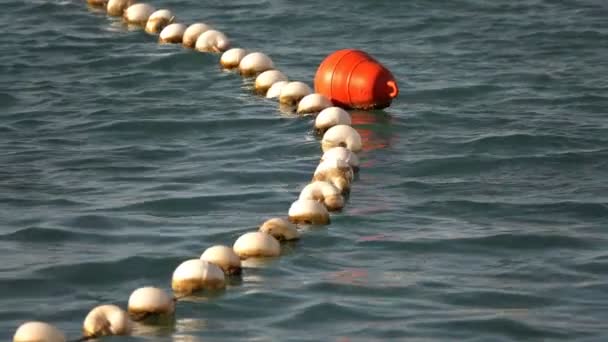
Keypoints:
pixel 266 79
pixel 331 116
pixel 232 57
pixel 256 245
pixel 138 14
pixel 195 275
pixel 159 20
pixel 307 211
pixel 325 193
pixel 172 34
pixel 106 320
pixel 313 103
pixel 293 92
pixel 280 228
pixel 224 257
pixel 341 135
pixel 193 32
pixel 212 41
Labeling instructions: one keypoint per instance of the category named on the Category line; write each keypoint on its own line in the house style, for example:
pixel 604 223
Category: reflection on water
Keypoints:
pixel 352 276
pixel 202 296
pixel 163 327
pixel 189 325
pixel 374 127
pixel 257 263
pixel 186 338
pixel 186 326
pixel 181 330
pixel 373 278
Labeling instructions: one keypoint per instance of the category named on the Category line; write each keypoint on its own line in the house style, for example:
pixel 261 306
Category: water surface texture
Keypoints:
pixel 480 212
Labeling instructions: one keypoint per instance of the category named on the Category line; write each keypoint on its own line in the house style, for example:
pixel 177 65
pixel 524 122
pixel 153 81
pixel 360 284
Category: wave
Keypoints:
pixel 504 242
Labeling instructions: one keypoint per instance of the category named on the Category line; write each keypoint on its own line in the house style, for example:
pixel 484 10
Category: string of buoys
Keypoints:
pixel 346 78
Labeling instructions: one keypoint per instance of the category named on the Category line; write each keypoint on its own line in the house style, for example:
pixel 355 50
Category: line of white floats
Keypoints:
pixel 330 182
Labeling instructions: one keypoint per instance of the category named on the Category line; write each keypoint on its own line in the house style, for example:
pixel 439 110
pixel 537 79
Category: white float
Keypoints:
pixel 280 228
pixel 172 34
pixel 159 20
pixel 342 153
pixel 255 63
pixel 337 172
pixel 275 90
pixel 306 211
pixel 331 116
pixel 256 245
pixel 192 33
pixel 224 257
pixel 323 192
pixel 293 92
pixel 116 8
pixel 195 275
pixel 266 79
pixel 342 135
pixel 212 41
pixel 106 320
pixel 150 301
pixel 138 14
pixel 313 103
pixel 38 332
pixel 231 58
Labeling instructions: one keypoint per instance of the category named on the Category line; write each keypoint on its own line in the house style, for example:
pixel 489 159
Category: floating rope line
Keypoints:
pixel 331 180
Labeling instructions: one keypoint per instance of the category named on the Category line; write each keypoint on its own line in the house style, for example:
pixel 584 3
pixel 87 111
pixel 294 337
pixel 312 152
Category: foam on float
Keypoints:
pixel 195 275
pixel 116 8
pixel 337 172
pixel 192 33
pixel 307 211
pixel 293 92
pixel 344 154
pixel 255 63
pixel 212 41
pixel 331 116
pixel 38 332
pixel 231 58
pixel 224 257
pixel 275 90
pixel 256 245
pixel 159 20
pixel 148 302
pixel 266 79
pixel 280 229
pixel 106 320
pixel 341 135
pixel 172 34
pixel 313 103
pixel 325 193
pixel 138 14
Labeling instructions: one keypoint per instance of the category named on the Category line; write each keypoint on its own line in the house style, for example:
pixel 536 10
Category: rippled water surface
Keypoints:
pixel 480 211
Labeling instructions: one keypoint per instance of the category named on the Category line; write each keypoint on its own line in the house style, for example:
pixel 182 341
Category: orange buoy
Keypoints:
pixel 353 79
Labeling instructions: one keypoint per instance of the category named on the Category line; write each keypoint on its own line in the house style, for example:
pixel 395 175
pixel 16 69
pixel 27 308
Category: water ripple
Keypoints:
pixel 479 212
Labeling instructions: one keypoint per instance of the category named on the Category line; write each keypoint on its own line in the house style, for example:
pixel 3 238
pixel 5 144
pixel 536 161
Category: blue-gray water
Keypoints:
pixel 480 212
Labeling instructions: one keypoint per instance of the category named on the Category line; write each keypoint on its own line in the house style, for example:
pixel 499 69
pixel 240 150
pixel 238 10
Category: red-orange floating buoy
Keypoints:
pixel 353 79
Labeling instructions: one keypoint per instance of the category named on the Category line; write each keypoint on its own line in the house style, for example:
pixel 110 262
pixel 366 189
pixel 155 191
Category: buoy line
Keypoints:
pixel 348 78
